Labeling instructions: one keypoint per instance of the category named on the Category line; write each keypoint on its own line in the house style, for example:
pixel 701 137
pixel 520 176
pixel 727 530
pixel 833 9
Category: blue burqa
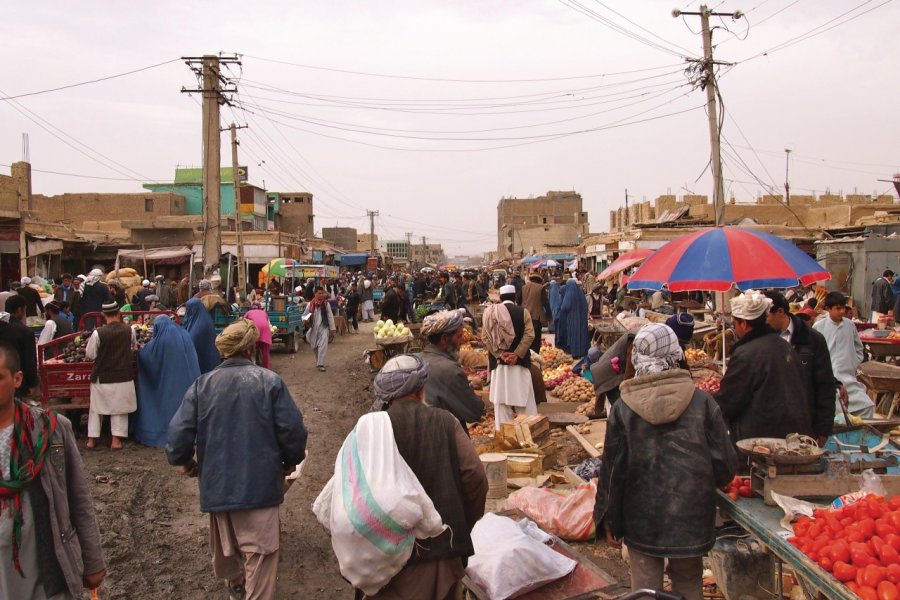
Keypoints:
pixel 553 297
pixel 572 321
pixel 202 330
pixel 167 366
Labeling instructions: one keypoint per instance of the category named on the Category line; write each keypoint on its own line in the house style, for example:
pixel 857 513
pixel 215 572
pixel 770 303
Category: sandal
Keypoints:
pixel 321 368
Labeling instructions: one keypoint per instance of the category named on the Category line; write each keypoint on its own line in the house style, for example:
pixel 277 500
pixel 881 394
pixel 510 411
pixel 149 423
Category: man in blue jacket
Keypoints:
pixel 248 434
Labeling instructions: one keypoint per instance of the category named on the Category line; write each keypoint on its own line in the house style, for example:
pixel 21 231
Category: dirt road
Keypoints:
pixel 155 537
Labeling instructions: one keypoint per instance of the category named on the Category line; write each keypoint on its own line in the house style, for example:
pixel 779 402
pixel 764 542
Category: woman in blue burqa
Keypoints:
pixel 573 321
pixel 202 330
pixel 167 366
pixel 553 299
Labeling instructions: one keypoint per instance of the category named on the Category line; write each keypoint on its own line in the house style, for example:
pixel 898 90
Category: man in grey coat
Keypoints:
pixel 57 552
pixel 447 386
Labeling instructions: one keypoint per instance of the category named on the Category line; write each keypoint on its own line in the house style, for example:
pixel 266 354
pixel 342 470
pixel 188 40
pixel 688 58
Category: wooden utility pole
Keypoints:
pixel 709 83
pixel 208 70
pixel 787 180
pixel 372 214
pixel 238 221
pixel 212 178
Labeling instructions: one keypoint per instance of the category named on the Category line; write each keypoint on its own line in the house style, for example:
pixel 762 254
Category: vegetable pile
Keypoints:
pixel 709 384
pixel 859 544
pixel 555 376
pixel 739 488
pixel 577 389
pixel 554 357
pixel 692 356
pixel 483 428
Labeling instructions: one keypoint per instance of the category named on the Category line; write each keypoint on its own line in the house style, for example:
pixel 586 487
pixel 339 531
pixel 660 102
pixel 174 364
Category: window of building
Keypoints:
pixel 148 204
pixel 544 221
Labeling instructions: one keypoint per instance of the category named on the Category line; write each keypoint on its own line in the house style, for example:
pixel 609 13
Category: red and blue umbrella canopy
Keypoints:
pixel 715 259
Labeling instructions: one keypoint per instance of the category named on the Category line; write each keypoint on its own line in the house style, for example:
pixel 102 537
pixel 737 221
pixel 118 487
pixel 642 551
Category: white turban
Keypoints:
pixel 26 280
pixel 750 305
pixel 367 284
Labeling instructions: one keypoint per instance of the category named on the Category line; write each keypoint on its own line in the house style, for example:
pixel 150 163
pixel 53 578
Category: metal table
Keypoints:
pixel 881 349
pixel 762 521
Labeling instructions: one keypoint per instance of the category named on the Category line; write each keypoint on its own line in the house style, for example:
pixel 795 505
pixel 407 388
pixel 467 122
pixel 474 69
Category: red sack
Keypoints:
pixel 569 516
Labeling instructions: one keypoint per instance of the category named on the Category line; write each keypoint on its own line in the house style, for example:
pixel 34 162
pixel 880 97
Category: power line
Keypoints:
pixel 686 51
pixel 444 79
pixel 82 175
pixel 818 30
pixel 74 85
pixel 609 23
pixel 47 125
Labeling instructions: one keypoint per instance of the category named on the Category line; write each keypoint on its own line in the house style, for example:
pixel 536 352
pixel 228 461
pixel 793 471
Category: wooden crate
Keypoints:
pixel 525 431
pixel 521 464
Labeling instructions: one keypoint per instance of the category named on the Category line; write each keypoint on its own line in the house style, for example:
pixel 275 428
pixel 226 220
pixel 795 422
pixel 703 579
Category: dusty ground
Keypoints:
pixel 155 537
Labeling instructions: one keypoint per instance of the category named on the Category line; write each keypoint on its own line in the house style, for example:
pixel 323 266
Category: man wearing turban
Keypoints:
pixel 441 456
pixel 247 433
pixel 448 387
pixel 762 393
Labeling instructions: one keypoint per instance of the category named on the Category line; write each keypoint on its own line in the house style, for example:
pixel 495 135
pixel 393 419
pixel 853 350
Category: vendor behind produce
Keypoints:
pixel 815 361
pixel 762 393
pixel 508 333
pixel 665 453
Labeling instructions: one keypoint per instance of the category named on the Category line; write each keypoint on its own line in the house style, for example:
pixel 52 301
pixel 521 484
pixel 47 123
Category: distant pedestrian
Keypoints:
pixel 368 305
pixel 321 326
pixel 351 308
pixel 247 433
pixel 260 318
pixel 882 295
pixel 200 326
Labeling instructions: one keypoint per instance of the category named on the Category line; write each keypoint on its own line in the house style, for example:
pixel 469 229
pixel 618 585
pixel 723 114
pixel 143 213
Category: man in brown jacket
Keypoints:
pixel 532 301
pixel 57 551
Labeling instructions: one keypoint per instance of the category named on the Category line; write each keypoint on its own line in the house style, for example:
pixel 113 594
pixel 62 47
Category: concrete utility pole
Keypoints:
pixel 238 222
pixel 409 253
pixel 626 207
pixel 709 83
pixel 208 69
pixel 424 252
pixel 787 181
pixel 372 214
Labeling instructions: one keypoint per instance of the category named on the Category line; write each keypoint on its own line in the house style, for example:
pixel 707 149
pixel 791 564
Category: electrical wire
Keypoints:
pixel 339 124
pixel 444 79
pixel 610 24
pixel 74 85
pixel 83 176
pixel 674 45
pixel 818 30
pixel 48 127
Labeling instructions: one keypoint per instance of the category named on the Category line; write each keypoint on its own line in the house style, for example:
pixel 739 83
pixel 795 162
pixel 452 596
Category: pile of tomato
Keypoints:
pixel 739 488
pixel 859 544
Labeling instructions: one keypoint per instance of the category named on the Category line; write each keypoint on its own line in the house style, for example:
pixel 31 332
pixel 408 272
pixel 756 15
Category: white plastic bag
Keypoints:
pixel 508 562
pixel 374 506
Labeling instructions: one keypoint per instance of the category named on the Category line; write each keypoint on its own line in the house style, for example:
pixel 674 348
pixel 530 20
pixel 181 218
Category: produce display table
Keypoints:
pixel 881 349
pixel 763 521
pixel 883 380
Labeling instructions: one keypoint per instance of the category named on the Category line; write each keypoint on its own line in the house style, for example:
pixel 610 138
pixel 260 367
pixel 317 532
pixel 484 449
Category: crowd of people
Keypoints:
pixel 225 417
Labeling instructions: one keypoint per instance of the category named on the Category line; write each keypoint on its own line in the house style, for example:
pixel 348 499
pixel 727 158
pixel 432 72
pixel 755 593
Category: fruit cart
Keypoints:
pixel 63 370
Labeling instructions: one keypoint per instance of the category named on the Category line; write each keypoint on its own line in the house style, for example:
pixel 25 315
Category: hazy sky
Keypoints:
pixel 487 99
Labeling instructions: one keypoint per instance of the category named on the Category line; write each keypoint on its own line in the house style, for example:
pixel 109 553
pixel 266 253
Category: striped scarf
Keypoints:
pixel 26 461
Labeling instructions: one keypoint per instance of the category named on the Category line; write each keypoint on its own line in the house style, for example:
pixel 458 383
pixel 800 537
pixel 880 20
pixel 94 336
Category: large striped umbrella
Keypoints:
pixel 275 267
pixel 715 259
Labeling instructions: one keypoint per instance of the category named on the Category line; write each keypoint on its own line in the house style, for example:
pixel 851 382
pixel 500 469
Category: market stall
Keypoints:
pixel 882 345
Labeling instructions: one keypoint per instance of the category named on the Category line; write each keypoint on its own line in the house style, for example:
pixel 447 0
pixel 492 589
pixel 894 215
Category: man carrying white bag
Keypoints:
pixel 407 490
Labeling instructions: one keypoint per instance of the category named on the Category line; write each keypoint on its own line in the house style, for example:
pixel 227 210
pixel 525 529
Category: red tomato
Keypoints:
pixel 892 573
pixel 745 491
pixel 733 495
pixel 854 536
pixel 883 527
pixel 843 572
pixel 867 527
pixel 867 593
pixel 887 591
pixel 893 539
pixel 851 585
pixel 826 563
pixel 894 502
pixel 888 555
pixel 736 482
pixel 820 513
pixel 816 528
pixel 872 575
pixel 840 552
pixel 876 543
pixel 862 559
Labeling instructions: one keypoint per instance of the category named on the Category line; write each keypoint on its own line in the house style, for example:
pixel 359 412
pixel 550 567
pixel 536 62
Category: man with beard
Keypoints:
pixel 448 387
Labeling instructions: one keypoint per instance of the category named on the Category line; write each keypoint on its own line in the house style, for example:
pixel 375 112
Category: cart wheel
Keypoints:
pixel 377 359
pixel 292 343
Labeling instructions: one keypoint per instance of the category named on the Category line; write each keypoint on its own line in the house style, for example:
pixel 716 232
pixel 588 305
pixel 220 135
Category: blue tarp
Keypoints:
pixel 167 366
pixel 350 260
